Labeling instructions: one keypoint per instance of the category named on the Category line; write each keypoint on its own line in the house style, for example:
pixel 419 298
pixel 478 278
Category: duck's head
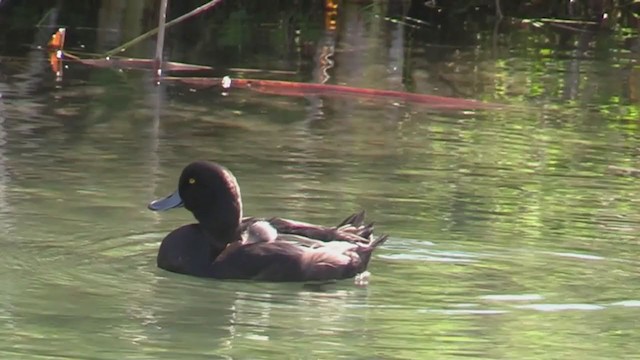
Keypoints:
pixel 210 192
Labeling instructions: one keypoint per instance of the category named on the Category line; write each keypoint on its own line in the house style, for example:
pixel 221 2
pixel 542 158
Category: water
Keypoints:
pixel 511 235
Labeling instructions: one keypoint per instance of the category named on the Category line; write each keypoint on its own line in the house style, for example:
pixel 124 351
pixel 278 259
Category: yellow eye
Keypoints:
pixel 192 181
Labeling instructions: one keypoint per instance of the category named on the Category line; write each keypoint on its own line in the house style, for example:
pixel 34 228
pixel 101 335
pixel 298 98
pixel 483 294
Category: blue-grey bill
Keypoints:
pixel 172 201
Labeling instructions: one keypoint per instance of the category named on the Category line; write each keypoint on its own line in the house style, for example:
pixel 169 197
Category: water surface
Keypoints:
pixel 511 235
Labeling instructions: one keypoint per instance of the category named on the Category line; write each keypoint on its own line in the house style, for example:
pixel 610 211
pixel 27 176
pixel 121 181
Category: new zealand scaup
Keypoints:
pixel 224 245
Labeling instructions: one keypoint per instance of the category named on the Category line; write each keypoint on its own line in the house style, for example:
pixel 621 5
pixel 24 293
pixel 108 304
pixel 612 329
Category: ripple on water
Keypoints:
pixel 578 256
pixel 562 307
pixel 415 250
pixel 465 311
pixel 627 303
pixel 512 297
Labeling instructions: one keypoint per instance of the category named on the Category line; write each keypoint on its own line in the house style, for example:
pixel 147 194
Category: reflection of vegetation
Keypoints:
pixel 620 9
pixel 234 29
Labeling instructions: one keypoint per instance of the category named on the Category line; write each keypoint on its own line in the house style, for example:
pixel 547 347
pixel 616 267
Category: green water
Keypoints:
pixel 511 236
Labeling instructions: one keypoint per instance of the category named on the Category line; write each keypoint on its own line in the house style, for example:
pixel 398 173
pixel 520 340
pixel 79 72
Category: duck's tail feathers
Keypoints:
pixel 355 219
pixel 354 224
pixel 364 252
pixel 366 231
pixel 377 242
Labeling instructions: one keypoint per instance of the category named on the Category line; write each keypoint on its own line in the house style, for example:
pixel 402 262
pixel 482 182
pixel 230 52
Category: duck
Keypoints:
pixel 223 244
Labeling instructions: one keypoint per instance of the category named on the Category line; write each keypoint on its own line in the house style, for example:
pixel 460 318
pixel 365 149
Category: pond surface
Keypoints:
pixel 514 234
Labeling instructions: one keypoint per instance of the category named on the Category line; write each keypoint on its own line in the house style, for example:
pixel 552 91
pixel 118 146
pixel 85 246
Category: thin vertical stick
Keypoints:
pixel 160 41
pixel 498 10
pixel 196 11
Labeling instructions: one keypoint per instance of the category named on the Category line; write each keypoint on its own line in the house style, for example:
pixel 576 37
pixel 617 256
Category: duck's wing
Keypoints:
pixel 352 229
pixel 284 261
pixel 274 261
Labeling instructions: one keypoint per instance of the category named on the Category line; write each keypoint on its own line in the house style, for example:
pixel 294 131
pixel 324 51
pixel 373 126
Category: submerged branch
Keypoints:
pixel 134 63
pixel 289 88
